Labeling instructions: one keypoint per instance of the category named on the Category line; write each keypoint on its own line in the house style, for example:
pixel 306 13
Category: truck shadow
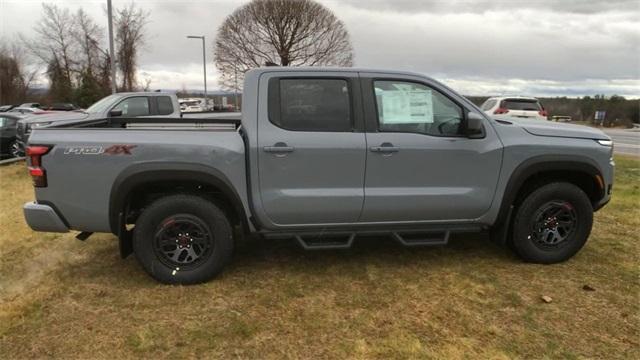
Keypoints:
pixel 461 248
pixel 257 257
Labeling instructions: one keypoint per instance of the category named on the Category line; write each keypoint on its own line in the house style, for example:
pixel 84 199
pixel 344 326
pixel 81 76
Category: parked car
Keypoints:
pixel 322 156
pixel 561 118
pixel 63 107
pixel 8 143
pixel 26 110
pixel 133 104
pixel 5 108
pixel 189 105
pixel 31 105
pixel 514 107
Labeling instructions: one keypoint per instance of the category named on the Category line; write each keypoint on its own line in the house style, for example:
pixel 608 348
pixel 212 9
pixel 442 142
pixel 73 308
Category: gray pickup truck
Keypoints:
pixel 322 156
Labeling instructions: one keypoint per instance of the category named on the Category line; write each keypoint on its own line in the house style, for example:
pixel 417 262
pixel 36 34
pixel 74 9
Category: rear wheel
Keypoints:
pixel 552 223
pixel 183 239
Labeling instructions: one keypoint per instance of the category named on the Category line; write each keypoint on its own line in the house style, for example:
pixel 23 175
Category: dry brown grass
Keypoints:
pixel 63 298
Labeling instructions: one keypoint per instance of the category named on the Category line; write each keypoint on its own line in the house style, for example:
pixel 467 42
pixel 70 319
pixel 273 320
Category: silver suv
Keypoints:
pixel 514 107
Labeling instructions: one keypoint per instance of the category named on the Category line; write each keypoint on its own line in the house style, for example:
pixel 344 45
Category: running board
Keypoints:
pixel 421 238
pixel 330 240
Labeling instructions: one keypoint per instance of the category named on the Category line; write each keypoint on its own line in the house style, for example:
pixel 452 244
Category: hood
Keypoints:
pixel 58 116
pixel 555 129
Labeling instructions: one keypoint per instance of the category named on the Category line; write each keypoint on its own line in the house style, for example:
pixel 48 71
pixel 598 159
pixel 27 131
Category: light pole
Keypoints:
pixel 112 55
pixel 235 87
pixel 204 67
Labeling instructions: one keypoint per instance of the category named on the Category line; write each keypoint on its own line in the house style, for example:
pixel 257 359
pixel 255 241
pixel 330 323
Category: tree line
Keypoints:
pixel 619 110
pixel 71 50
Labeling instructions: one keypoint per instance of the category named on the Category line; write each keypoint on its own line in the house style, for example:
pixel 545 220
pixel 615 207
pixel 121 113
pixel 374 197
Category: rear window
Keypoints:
pixel 165 105
pixel 522 104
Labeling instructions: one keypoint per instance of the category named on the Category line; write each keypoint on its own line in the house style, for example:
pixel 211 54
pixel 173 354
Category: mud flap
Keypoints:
pixel 125 238
pixel 500 232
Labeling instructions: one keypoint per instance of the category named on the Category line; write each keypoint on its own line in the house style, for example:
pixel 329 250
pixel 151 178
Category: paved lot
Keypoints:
pixel 626 141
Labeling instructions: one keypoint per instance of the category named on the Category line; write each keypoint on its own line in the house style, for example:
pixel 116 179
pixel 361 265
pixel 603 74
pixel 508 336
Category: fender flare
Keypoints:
pixel 540 164
pixel 139 174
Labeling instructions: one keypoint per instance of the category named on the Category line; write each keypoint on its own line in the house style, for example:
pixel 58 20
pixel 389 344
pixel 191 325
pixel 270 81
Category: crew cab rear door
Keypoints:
pixel 311 148
pixel 420 166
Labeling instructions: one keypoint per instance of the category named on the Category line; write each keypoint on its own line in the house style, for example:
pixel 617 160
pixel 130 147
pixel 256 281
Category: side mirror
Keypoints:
pixel 115 113
pixel 474 128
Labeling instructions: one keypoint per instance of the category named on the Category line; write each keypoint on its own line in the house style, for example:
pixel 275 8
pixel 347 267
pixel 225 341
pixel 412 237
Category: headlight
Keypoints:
pixel 605 142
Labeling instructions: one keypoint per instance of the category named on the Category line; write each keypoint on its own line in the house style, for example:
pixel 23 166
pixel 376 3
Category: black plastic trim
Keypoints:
pixel 541 164
pixel 139 174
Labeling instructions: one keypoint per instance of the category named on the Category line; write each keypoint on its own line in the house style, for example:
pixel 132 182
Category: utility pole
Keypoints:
pixel 112 55
pixel 204 66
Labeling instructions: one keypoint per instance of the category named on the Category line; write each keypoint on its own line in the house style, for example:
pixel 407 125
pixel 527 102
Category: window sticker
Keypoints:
pixel 407 106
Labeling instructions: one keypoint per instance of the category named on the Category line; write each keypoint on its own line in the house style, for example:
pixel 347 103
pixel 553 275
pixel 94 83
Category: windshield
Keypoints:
pixel 103 104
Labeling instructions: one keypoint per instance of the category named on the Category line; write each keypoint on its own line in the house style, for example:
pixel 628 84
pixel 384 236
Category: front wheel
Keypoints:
pixel 552 223
pixel 183 239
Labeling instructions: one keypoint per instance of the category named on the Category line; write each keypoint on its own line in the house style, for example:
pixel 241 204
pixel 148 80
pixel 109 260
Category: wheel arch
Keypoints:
pixel 552 167
pixel 578 170
pixel 148 174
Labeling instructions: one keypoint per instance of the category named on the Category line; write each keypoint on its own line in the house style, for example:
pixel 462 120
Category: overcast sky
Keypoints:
pixel 529 47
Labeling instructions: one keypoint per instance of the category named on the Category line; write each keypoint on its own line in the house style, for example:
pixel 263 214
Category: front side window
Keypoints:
pixel 414 107
pixel 165 105
pixel 311 105
pixel 134 106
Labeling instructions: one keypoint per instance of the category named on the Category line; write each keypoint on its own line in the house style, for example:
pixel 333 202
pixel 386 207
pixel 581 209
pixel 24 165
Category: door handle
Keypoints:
pixel 385 148
pixel 278 148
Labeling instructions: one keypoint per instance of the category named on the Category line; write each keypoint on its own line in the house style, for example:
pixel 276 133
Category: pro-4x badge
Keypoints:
pixel 118 149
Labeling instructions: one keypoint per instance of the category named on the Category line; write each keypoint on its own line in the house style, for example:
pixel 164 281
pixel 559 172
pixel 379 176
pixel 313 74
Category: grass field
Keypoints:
pixel 63 298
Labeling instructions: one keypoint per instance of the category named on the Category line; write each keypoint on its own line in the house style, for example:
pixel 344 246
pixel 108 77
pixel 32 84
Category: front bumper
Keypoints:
pixel 41 217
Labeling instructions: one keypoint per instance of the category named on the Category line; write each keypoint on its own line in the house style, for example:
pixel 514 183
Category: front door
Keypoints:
pixel 419 165
pixel 311 158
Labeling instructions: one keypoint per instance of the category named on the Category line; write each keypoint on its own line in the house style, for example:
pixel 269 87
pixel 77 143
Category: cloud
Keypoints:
pixel 535 47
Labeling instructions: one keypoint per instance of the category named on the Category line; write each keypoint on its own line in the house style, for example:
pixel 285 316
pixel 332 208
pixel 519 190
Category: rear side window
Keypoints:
pixel 165 105
pixel 521 104
pixel 310 104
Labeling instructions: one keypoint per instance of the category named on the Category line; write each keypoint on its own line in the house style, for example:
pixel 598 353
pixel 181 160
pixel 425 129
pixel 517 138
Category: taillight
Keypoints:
pixel 543 112
pixel 502 109
pixel 38 174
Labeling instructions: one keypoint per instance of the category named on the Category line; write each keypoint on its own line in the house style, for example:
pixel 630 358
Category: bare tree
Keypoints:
pixel 89 37
pixel 129 27
pixel 15 78
pixel 55 43
pixel 280 32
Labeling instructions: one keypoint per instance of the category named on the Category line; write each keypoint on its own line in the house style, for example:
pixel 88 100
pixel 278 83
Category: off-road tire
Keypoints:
pixel 524 239
pixel 193 208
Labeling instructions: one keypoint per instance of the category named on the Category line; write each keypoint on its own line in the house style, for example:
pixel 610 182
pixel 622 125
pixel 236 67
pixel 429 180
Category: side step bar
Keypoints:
pixel 344 240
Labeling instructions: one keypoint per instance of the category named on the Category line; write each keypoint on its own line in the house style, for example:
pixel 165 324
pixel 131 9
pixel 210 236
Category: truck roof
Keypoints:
pixel 265 69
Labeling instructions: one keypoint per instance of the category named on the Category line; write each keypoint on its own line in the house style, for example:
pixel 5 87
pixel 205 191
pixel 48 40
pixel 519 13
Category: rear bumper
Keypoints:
pixel 41 217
